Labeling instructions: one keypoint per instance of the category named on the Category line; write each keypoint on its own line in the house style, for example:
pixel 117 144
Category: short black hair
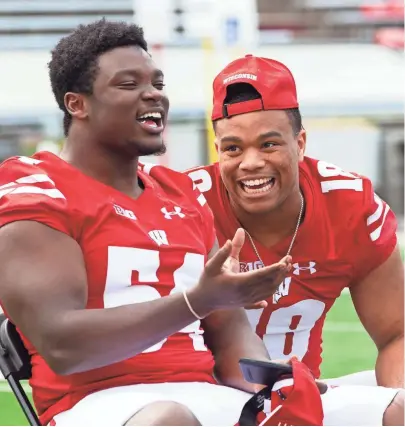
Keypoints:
pixel 73 65
pixel 240 92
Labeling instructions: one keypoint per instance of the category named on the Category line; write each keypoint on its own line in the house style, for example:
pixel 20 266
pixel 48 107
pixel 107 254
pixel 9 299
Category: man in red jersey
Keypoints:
pixel 104 261
pixel 339 233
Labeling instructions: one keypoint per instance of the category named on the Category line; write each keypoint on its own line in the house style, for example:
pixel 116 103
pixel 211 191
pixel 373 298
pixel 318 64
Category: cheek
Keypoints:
pixel 286 163
pixel 227 171
pixel 165 101
pixel 281 159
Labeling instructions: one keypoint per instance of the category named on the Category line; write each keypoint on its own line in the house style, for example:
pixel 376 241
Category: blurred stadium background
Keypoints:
pixel 347 58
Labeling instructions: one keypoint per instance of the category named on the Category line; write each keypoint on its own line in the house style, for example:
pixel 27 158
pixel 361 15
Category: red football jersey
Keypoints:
pixel 347 232
pixel 133 252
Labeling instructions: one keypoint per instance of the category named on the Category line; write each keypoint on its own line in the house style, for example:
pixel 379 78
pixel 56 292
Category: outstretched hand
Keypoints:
pixel 222 284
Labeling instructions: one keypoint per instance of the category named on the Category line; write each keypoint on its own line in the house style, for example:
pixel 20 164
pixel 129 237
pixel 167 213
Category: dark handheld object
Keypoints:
pixel 260 372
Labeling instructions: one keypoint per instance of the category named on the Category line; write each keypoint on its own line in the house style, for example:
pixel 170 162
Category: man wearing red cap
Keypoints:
pixel 339 233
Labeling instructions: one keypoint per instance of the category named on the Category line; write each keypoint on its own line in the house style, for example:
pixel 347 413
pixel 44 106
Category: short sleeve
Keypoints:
pixel 208 219
pixel 27 192
pixel 376 230
pixel 202 184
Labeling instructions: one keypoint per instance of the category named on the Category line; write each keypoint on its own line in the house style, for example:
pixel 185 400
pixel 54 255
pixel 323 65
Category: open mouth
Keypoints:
pixel 151 121
pixel 257 186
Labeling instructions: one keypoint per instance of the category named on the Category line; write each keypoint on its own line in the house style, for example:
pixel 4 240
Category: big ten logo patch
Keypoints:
pixel 249 266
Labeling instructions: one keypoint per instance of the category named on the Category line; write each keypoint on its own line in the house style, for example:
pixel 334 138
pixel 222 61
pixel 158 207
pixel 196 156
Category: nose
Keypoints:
pixel 151 93
pixel 252 160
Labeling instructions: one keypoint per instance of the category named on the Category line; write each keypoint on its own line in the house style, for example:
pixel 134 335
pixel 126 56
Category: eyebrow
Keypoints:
pixel 271 134
pixel 156 73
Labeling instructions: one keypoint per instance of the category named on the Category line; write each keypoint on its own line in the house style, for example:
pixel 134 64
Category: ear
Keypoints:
pixel 76 105
pixel 301 144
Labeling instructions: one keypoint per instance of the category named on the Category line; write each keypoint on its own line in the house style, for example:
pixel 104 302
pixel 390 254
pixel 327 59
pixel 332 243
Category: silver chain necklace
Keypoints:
pixel 293 238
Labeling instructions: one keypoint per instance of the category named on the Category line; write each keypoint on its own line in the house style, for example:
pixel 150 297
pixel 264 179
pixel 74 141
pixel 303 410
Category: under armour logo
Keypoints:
pixel 159 237
pixel 310 268
pixel 177 211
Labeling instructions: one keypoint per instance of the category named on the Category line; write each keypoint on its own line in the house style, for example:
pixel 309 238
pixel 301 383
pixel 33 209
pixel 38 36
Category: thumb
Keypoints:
pixel 214 265
pixel 256 305
pixel 237 243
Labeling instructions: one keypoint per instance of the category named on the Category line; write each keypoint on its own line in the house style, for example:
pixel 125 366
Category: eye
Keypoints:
pixel 269 144
pixel 231 148
pixel 128 85
pixel 159 85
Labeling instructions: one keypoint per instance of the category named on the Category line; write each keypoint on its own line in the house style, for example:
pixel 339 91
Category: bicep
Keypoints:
pixel 379 300
pixel 42 274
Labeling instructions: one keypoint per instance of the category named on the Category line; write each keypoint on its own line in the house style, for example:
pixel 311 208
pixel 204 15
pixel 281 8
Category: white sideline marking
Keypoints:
pixel 4 387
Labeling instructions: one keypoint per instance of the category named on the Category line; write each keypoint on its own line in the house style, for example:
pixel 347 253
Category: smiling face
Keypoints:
pixel 259 155
pixel 127 110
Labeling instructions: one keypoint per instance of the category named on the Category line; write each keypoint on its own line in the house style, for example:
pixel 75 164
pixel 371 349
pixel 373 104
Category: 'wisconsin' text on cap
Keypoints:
pixel 240 76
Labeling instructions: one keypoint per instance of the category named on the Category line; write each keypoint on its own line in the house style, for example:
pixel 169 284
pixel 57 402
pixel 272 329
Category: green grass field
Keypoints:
pixel 347 349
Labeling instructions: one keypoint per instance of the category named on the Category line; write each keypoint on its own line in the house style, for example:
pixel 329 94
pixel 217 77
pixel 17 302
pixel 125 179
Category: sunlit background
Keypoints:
pixel 346 55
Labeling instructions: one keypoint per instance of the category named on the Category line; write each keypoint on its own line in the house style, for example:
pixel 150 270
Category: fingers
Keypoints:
pixel 214 265
pixel 274 273
pixel 237 243
pixel 262 283
pixel 322 387
pixel 256 305
pixel 287 260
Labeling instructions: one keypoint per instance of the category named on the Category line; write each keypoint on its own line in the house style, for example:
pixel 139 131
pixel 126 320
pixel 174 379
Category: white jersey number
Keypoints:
pixel 289 328
pixel 201 180
pixel 327 170
pixel 123 261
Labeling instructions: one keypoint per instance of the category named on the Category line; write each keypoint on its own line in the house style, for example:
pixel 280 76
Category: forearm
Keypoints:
pixel 234 339
pixel 227 369
pixel 389 367
pixel 87 339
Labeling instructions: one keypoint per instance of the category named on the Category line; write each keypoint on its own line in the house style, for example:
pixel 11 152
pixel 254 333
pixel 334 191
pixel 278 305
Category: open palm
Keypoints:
pixel 232 263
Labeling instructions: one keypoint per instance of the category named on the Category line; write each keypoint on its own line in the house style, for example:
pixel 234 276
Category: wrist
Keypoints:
pixel 199 302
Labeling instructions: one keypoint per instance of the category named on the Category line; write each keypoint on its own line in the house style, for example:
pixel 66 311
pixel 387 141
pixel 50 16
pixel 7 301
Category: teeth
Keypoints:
pixel 151 114
pixel 253 182
pixel 258 190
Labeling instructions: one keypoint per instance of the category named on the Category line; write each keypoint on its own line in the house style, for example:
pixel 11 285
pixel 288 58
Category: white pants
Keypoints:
pixel 357 378
pixel 211 404
pixel 219 405
pixel 357 401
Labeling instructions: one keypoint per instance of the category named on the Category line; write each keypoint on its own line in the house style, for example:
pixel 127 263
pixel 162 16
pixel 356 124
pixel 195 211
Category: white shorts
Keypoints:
pixel 211 404
pixel 352 405
pixel 220 405
pixel 357 401
pixel 357 378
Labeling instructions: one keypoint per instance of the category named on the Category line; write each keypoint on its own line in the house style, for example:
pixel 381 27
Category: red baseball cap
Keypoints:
pixel 272 79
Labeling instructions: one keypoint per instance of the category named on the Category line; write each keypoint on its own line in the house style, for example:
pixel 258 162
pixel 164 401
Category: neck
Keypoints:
pixel 271 227
pixel 101 163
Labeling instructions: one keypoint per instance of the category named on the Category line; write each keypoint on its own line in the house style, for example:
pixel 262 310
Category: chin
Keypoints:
pixel 259 207
pixel 149 147
pixel 257 210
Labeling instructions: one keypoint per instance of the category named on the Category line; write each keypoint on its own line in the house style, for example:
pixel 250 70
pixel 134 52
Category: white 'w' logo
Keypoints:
pixel 24 186
pixel 159 237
